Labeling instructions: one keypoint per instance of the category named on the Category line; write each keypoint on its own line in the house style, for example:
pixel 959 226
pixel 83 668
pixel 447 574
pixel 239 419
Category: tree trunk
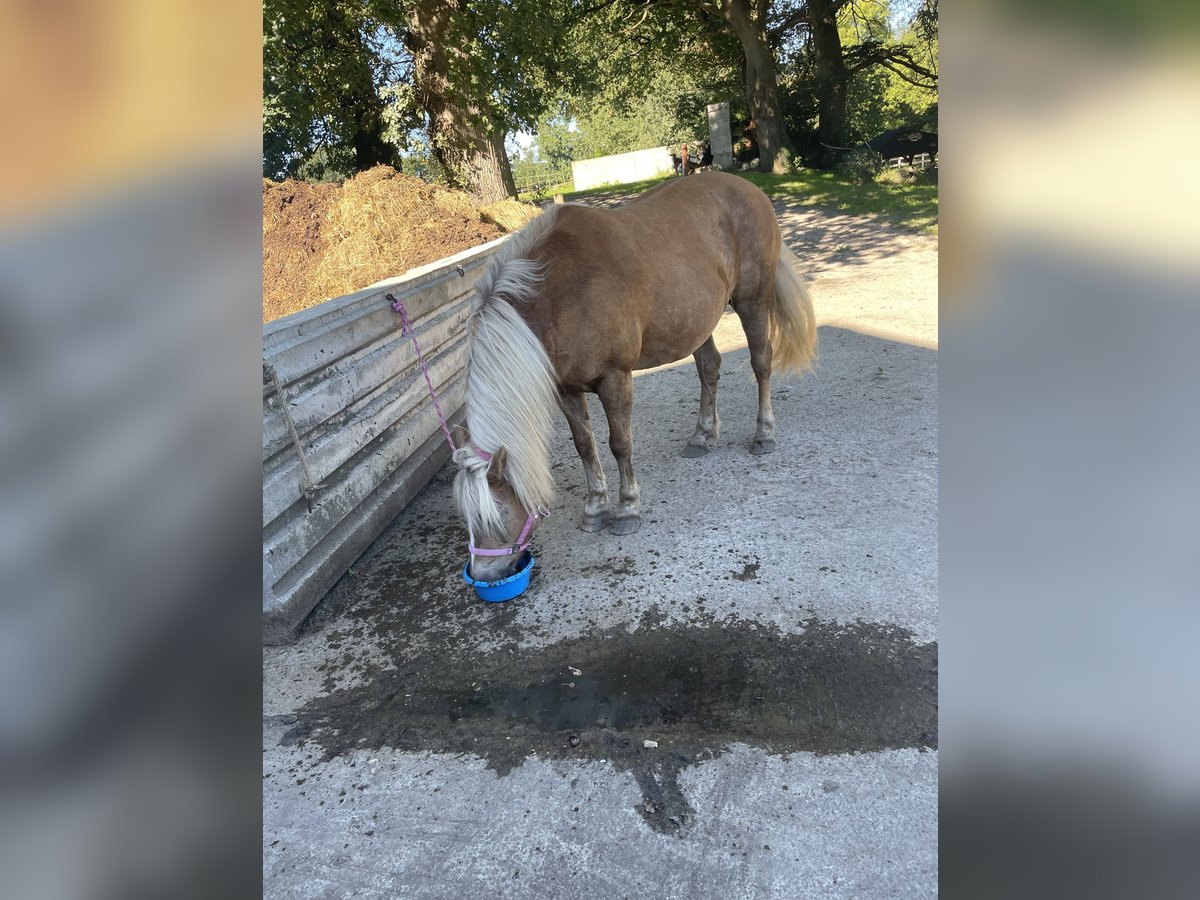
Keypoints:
pixel 468 148
pixel 762 90
pixel 473 157
pixel 832 78
pixel 370 149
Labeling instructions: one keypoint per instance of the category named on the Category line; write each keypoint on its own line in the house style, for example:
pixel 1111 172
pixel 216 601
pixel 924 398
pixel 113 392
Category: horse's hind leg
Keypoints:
pixel 708 425
pixel 595 508
pixel 616 393
pixel 756 322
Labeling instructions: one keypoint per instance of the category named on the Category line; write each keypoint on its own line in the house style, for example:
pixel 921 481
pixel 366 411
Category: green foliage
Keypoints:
pixel 418 159
pixel 643 76
pixel 548 190
pixel 860 166
pixel 337 76
pixel 880 95
pixel 907 104
pixel 866 111
pixel 589 79
pixel 659 98
pixel 327 163
pixel 324 64
pixel 539 178
pixel 789 162
pixel 513 54
pixel 798 103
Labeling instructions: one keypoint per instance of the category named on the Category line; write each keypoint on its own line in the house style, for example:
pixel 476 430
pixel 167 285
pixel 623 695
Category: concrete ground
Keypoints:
pixel 771 628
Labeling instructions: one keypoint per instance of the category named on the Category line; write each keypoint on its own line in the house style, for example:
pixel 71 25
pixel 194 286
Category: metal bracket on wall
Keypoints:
pixel 308 487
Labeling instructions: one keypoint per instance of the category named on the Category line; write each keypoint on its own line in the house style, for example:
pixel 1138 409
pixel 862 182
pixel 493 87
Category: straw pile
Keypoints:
pixel 325 240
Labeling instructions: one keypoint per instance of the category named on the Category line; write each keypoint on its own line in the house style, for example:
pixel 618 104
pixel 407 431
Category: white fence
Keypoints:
pixel 921 161
pixel 621 168
pixel 363 436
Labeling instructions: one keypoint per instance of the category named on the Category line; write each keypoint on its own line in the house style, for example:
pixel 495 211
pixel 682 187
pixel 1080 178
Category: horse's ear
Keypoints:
pixel 498 465
pixel 461 438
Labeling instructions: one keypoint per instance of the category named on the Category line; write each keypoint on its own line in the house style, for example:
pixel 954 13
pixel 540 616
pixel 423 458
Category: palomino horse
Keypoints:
pixel 579 299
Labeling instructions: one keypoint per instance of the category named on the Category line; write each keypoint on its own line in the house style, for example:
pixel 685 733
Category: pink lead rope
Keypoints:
pixel 406 327
pixel 523 542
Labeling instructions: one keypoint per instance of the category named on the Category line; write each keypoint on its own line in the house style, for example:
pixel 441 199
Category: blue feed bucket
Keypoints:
pixel 506 588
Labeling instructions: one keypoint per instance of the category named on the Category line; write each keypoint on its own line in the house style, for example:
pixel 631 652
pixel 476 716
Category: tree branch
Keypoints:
pixel 905 77
pixel 874 53
pixel 587 11
pixel 638 24
pixel 787 23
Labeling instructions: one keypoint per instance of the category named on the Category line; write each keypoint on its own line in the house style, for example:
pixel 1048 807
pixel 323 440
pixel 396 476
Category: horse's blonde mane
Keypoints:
pixel 512 390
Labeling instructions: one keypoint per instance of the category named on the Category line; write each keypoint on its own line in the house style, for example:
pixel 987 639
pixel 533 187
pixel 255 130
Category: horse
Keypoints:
pixel 579 299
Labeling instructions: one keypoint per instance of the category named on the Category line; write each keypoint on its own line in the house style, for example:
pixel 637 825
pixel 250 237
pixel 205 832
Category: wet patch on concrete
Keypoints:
pixel 694 691
pixel 620 565
pixel 408 597
pixel 749 572
pixel 617 569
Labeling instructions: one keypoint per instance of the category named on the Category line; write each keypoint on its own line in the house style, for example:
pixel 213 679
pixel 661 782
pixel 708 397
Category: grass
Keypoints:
pixel 545 193
pixel 911 205
pixel 632 187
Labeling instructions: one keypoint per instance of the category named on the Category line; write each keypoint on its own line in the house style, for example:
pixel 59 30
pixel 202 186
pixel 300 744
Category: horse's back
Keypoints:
pixel 717 214
pixel 646 283
pixel 696 192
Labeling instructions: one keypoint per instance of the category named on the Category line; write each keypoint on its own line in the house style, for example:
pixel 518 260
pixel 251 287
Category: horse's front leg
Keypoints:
pixel 595 508
pixel 616 393
pixel 708 425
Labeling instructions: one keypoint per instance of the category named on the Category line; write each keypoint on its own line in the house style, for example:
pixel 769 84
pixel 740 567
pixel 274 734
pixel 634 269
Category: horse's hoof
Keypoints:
pixel 627 525
pixel 758 448
pixel 594 523
pixel 694 451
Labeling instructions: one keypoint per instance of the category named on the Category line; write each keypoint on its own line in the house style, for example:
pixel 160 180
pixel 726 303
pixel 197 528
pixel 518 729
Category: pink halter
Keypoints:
pixel 522 542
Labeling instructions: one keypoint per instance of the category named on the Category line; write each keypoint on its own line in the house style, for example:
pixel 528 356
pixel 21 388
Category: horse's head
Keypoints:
pixel 496 518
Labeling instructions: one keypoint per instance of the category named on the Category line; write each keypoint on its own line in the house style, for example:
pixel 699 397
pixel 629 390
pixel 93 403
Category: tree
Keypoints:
pixel 748 19
pixel 323 67
pixel 745 21
pixel 834 62
pixel 468 145
pixel 761 29
pixel 481 70
pixel 879 97
pixel 471 72
pixel 648 89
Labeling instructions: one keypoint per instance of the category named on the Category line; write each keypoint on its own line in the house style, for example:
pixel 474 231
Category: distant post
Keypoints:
pixel 720 137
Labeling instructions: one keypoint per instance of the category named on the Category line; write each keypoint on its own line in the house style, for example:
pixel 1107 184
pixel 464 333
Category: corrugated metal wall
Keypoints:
pixel 362 413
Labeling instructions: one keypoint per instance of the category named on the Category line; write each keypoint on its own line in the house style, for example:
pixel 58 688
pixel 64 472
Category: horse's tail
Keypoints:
pixel 793 324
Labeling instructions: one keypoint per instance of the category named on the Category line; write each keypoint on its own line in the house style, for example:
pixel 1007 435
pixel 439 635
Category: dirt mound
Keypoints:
pixel 325 240
pixel 293 241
